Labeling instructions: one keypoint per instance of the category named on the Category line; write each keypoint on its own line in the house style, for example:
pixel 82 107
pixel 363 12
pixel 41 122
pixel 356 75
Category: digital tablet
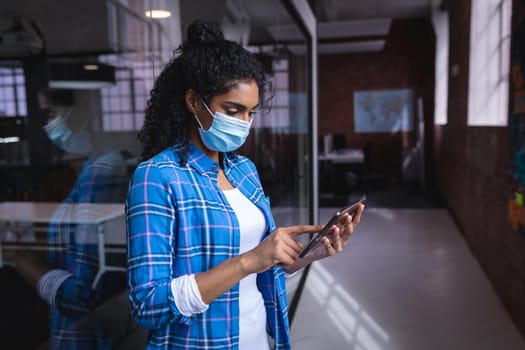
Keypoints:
pixel 351 209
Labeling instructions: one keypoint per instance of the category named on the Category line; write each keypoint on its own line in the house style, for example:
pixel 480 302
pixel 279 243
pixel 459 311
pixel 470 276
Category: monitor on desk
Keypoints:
pixel 338 142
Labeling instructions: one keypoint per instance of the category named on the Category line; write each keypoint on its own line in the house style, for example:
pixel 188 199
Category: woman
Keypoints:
pixel 206 264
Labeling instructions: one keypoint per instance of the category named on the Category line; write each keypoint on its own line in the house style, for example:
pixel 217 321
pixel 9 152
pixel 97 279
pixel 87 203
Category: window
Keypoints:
pixel 489 62
pixel 124 105
pixel 441 28
pixel 279 116
pixel 12 92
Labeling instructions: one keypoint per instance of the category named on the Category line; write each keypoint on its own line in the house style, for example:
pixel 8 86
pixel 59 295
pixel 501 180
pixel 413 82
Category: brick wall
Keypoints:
pixel 407 61
pixel 472 173
pixel 468 165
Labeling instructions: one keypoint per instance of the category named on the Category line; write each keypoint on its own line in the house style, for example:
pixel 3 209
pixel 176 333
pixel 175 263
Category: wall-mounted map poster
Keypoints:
pixel 383 110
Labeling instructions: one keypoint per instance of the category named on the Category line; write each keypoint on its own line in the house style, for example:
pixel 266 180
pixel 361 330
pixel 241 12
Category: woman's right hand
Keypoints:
pixel 279 247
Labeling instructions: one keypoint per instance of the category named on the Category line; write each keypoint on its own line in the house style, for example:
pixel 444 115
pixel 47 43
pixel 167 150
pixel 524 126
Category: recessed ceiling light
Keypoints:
pixel 91 67
pixel 158 14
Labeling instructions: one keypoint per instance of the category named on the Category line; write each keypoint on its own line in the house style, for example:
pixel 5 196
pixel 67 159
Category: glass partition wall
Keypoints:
pixel 280 136
pixel 75 77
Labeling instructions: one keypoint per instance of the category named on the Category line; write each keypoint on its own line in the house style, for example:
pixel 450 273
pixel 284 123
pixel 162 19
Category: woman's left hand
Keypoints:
pixel 333 243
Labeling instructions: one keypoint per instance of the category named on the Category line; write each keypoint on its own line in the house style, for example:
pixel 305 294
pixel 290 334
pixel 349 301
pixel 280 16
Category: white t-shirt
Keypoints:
pixel 252 322
pixel 252 317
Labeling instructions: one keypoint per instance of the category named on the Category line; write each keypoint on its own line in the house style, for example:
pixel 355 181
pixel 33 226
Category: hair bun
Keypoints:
pixel 201 32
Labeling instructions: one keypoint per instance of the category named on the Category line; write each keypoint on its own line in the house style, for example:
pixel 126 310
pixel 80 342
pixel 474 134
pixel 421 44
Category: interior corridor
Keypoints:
pixel 406 281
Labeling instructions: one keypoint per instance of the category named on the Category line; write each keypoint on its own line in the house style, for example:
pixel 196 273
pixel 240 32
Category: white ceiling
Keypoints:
pixel 80 26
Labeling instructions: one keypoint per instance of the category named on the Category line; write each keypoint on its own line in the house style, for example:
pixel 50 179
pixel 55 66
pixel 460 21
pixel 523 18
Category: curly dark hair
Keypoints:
pixel 206 63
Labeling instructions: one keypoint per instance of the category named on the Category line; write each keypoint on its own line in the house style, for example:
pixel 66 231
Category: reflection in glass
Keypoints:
pixel 71 277
pixel 278 144
pixel 94 147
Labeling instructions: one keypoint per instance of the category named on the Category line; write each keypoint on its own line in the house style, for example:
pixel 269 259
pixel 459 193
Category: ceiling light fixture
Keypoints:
pixel 157 14
pixel 334 30
pixel 83 76
pixel 91 67
pixel 11 139
pixel 12 129
pixel 342 47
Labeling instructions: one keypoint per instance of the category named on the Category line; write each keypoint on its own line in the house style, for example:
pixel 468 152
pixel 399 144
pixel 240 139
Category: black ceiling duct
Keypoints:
pixel 83 76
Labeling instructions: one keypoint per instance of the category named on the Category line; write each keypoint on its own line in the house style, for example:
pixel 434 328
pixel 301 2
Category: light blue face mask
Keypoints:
pixel 58 131
pixel 225 134
pixel 61 135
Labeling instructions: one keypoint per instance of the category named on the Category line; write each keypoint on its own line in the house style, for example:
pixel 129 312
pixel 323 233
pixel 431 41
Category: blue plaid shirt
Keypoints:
pixel 179 222
pixel 97 183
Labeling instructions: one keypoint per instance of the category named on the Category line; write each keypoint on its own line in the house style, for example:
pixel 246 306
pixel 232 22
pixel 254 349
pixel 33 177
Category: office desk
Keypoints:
pixel 17 216
pixel 339 171
pixel 350 156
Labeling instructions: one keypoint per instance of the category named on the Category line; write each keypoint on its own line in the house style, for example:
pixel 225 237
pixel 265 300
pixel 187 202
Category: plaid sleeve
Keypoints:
pixel 74 296
pixel 150 225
